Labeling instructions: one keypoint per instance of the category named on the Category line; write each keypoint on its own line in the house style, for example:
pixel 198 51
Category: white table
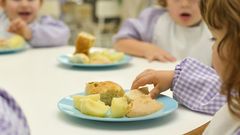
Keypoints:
pixel 37 81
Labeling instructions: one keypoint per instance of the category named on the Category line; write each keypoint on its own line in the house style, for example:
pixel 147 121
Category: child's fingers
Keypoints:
pixel 147 79
pixel 13 26
pixel 155 91
pixel 16 25
pixel 146 72
pixel 170 58
pixel 161 58
pixel 158 57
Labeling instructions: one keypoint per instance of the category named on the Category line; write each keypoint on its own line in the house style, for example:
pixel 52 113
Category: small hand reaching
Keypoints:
pixel 161 80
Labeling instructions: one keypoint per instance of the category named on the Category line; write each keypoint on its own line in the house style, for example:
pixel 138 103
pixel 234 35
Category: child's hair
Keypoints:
pixel 3 1
pixel 219 15
pixel 163 3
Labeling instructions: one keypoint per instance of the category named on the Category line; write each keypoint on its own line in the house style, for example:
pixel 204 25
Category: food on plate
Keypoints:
pixel 94 108
pixel 107 99
pixel 90 105
pixel 78 98
pixel 106 89
pixel 84 42
pixel 80 58
pixel 141 104
pixel 97 57
pixel 105 57
pixel 15 41
pixel 82 53
pixel 119 107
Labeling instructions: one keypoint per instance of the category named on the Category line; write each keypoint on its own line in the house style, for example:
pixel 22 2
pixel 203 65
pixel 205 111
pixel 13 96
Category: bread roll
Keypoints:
pixel 106 89
pixel 84 42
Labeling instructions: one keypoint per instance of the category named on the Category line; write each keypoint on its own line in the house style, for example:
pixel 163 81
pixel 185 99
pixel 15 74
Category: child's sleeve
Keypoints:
pixel 140 28
pixel 48 32
pixel 237 132
pixel 197 87
pixel 12 119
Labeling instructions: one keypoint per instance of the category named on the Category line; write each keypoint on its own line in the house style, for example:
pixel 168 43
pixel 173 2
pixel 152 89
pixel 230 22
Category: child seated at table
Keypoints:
pixel 167 34
pixel 12 119
pixel 191 82
pixel 21 17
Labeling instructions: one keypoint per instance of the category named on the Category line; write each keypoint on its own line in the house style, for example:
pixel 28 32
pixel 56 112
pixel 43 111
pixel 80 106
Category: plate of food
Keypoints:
pixel 13 44
pixel 107 101
pixel 84 56
pixel 79 60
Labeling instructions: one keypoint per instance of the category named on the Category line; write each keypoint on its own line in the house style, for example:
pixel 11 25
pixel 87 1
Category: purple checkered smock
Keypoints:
pixel 197 87
pixel 12 119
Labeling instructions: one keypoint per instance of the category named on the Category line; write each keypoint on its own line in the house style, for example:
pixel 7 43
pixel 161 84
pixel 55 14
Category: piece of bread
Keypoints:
pixel 84 42
pixel 106 89
pixel 141 104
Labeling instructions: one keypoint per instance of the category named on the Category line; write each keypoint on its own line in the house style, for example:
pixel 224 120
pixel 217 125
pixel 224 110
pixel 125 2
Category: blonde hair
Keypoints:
pixel 3 2
pixel 225 14
pixel 163 3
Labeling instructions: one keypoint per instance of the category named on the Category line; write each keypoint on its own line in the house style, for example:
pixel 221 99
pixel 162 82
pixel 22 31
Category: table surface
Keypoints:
pixel 38 81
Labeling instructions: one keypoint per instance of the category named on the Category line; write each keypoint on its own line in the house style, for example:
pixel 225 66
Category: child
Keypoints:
pixel 223 19
pixel 20 17
pixel 166 34
pixel 12 119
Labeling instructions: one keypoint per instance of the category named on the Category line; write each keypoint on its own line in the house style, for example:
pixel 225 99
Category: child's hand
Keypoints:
pixel 161 80
pixel 20 27
pixel 153 52
pixel 2 42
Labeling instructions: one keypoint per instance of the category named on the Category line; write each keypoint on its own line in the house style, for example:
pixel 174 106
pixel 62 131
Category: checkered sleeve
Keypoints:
pixel 12 119
pixel 197 87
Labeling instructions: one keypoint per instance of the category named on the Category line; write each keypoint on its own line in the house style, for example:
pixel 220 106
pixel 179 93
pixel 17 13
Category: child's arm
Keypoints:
pixel 135 36
pixel 194 85
pixel 48 32
pixel 12 119
pixel 143 49
pixel 197 87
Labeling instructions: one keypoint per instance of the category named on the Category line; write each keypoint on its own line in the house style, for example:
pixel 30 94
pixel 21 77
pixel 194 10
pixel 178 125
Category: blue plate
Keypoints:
pixel 64 59
pixel 66 106
pixel 12 50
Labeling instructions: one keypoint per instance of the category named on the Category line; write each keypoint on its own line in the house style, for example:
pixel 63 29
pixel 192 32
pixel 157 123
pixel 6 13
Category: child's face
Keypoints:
pixel 184 12
pixel 217 63
pixel 25 9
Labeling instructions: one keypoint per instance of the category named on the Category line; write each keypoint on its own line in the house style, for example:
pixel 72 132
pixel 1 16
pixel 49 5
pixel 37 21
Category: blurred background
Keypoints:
pixel 101 18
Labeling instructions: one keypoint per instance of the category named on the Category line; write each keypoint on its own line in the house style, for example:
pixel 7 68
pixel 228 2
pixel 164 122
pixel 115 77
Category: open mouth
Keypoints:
pixel 24 14
pixel 185 15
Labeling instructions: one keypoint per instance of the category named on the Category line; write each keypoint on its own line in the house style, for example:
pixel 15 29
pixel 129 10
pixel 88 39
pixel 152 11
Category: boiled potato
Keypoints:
pixel 80 58
pixel 117 56
pixel 15 42
pixel 94 108
pixel 77 99
pixel 119 107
